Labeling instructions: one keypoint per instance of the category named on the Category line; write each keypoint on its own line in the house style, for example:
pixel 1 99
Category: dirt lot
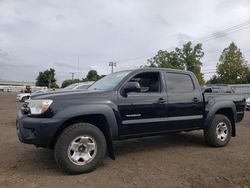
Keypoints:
pixel 182 160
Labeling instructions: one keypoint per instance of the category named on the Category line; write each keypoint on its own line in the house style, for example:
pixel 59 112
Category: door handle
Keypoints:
pixel 161 101
pixel 195 99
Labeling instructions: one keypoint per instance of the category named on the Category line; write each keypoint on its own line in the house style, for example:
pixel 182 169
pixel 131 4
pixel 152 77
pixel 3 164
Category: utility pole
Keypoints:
pixel 112 65
pixel 72 75
pixel 78 67
pixel 49 80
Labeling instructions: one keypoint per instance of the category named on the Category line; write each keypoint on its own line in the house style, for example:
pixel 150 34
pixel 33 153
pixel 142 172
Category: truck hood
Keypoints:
pixel 66 99
pixel 67 95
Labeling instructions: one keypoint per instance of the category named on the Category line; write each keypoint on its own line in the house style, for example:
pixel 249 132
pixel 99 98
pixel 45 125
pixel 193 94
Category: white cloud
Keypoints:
pixel 45 33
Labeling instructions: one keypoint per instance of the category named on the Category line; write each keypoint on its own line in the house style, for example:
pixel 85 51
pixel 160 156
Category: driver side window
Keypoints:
pixel 149 82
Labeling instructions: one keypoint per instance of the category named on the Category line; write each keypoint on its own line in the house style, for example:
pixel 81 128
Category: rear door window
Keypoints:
pixel 179 83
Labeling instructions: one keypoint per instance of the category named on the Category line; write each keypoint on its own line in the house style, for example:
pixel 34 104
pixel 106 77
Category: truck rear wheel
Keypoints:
pixel 80 148
pixel 220 131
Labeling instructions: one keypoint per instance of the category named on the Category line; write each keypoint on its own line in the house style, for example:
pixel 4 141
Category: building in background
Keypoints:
pixel 17 86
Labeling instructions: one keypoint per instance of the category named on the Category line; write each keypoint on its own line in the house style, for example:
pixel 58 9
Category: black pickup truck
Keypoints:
pixel 82 125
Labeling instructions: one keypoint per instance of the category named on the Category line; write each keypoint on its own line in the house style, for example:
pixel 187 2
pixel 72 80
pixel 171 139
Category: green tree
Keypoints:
pixel 92 76
pixel 68 82
pixel 54 85
pixel 166 59
pixel 191 58
pixel 46 78
pixel 232 68
pixel 186 57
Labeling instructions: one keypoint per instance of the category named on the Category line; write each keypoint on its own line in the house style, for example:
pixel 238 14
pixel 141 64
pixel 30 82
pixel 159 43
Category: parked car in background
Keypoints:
pixel 2 88
pixel 22 97
pixel 248 104
pixel 77 86
pixel 69 88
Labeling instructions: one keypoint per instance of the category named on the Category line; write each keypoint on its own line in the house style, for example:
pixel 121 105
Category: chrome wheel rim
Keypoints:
pixel 222 131
pixel 82 150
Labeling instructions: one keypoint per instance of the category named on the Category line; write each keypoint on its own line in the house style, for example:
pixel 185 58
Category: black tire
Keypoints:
pixel 211 135
pixel 25 98
pixel 64 141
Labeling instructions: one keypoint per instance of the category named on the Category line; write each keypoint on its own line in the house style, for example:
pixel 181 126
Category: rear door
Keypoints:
pixel 185 101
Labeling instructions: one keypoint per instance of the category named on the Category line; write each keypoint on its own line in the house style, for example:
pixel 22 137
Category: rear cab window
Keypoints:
pixel 179 83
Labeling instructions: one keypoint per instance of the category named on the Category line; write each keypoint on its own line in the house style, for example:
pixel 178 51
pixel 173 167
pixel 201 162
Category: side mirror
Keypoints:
pixel 207 90
pixel 131 87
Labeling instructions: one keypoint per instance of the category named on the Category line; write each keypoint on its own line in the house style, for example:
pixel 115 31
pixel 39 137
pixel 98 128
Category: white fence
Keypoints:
pixel 242 89
pixel 238 89
pixel 6 88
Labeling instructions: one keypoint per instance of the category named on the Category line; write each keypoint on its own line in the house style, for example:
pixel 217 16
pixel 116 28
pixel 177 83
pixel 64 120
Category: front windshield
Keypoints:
pixel 109 82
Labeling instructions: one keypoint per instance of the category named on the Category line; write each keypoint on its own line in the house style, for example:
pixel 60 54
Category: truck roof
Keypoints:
pixel 164 69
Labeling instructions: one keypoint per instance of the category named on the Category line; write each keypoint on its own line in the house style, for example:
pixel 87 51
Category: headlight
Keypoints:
pixel 39 106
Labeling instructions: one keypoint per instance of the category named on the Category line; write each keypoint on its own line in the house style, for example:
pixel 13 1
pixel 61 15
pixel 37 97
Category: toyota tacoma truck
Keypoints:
pixel 82 125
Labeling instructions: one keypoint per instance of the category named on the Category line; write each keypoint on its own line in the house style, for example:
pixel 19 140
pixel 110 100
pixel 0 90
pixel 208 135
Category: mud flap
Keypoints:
pixel 111 151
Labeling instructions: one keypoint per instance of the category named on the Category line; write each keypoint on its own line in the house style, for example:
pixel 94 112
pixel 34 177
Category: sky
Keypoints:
pixel 36 35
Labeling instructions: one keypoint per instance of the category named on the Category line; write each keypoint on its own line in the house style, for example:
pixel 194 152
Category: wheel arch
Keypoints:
pixel 101 116
pixel 226 108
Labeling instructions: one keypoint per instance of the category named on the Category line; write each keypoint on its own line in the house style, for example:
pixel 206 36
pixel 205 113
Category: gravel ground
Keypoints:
pixel 181 160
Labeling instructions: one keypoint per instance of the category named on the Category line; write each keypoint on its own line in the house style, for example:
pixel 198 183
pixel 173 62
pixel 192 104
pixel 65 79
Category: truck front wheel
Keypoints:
pixel 80 148
pixel 220 131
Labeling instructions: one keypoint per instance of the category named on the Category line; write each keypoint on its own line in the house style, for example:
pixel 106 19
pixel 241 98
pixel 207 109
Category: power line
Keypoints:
pixel 220 35
pixel 225 32
pixel 131 59
pixel 212 72
pixel 209 69
pixel 215 35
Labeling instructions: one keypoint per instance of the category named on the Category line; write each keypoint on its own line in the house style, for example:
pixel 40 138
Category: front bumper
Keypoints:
pixel 37 131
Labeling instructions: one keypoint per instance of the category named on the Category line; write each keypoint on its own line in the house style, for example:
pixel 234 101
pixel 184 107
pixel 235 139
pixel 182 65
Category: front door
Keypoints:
pixel 144 111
